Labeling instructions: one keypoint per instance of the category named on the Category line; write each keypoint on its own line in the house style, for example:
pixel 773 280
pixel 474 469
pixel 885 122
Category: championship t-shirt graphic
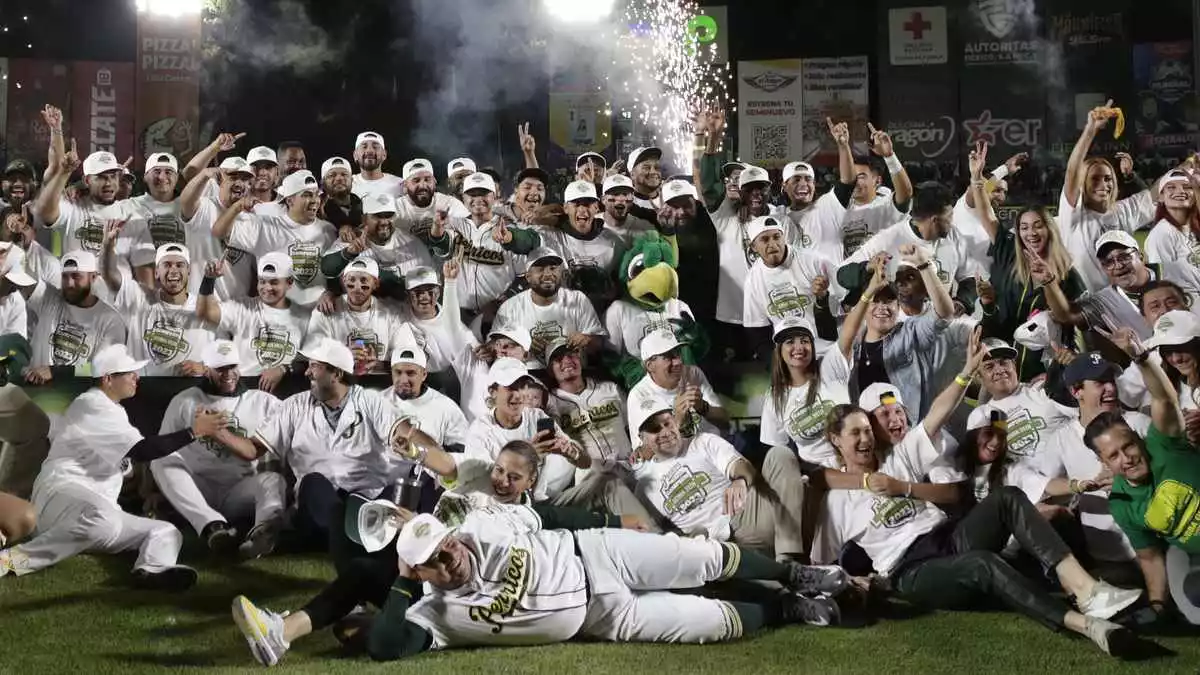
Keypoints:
pixel 892 512
pixel 220 449
pixel 91 235
pixel 1024 434
pixel 684 490
pixel 808 422
pixel 272 345
pixel 543 334
pixel 786 301
pixel 306 262
pixel 69 343
pixel 164 340
pixel 166 229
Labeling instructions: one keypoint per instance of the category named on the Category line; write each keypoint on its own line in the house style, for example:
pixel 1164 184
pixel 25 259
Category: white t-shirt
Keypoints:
pixel 570 312
pixel 401 253
pixel 381 328
pixel 591 263
pixel 802 423
pixel 444 336
pixel 13 315
pixel 355 455
pixel 203 246
pixel 1167 243
pixel 736 257
pixel 207 457
pixel 1040 429
pixel 862 221
pixel 487 270
pixel 82 227
pixel 774 294
pixel 165 335
pixel 265 232
pixel 690 489
pixel 40 263
pixel 885 527
pixel 435 415
pixel 949 254
pixel 266 337
pixel 411 217
pixel 974 234
pixel 485 438
pixel 1082 227
pixel 627 323
pixel 67 335
pixel 628 229
pixel 647 389
pixel 816 228
pixel 94 437
pixel 595 418
pixel 471 493
pixel 388 184
pixel 473 380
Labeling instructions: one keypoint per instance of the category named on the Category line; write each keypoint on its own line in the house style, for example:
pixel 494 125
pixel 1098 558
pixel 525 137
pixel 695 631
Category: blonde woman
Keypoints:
pixel 1022 262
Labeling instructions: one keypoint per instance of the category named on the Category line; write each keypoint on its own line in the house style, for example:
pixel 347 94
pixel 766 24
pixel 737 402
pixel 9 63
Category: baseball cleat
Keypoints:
pixel 819 611
pixel 816 579
pixel 263 630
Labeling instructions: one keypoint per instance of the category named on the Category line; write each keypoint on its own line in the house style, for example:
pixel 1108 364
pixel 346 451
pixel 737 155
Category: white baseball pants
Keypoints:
pixel 202 499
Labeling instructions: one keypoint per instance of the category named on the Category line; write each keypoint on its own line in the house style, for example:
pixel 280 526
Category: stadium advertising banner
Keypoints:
pixel 770 112
pixel 32 85
pixel 834 88
pixel 168 85
pixel 102 103
pixel 1165 115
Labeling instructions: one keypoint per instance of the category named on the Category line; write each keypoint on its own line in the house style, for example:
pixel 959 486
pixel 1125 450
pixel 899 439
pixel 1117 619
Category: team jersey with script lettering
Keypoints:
pixel 525 588
pixel 690 489
pixel 595 418
pixel 487 269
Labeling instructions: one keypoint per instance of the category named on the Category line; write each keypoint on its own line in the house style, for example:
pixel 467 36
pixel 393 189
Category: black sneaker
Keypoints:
pixel 220 537
pixel 816 579
pixel 819 611
pixel 260 542
pixel 174 579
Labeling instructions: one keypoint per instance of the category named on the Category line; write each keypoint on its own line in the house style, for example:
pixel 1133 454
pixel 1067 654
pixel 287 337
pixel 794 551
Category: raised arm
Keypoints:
pixel 528 146
pixel 61 165
pixel 224 225
pixel 939 297
pixel 1072 181
pixel 108 256
pixel 1164 401
pixel 854 320
pixel 881 144
pixel 208 307
pixel 189 198
pixel 943 406
pixel 224 142
pixel 978 191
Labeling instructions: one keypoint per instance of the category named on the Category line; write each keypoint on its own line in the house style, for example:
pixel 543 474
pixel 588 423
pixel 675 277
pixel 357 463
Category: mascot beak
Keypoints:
pixel 654 286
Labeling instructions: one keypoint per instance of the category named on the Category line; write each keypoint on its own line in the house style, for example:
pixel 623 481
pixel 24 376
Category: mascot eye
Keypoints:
pixel 636 266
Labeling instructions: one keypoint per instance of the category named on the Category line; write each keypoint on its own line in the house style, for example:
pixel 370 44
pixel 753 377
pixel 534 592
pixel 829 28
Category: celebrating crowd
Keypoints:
pixel 492 408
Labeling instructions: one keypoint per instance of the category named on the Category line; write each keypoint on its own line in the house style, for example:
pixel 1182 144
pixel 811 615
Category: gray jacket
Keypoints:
pixel 910 360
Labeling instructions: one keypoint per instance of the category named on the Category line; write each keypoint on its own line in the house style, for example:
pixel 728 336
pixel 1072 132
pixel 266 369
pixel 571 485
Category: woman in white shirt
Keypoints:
pixel 1173 237
pixel 804 389
pixel 1177 339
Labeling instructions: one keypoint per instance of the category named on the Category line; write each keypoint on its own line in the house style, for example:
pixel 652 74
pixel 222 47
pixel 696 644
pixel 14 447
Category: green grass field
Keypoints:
pixel 81 617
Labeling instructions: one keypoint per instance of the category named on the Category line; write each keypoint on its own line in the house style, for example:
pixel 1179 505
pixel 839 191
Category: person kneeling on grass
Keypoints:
pixel 76 491
pixel 1156 487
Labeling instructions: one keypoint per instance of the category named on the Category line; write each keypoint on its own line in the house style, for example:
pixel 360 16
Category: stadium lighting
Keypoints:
pixel 579 11
pixel 171 8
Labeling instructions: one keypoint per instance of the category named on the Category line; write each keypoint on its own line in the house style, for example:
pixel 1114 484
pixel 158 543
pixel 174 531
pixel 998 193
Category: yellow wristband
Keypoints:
pixel 961 381
pixel 867 298
pixel 866 481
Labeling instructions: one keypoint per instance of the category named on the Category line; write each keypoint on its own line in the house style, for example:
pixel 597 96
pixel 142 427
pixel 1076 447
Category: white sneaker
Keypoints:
pixel 263 630
pixel 1107 600
pixel 1114 639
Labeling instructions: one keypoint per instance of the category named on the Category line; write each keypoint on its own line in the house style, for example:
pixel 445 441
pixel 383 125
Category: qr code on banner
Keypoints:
pixel 771 141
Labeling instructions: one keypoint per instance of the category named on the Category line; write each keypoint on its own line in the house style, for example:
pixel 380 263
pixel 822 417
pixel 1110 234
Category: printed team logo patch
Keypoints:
pixel 808 422
pixel 544 333
pixel 164 340
pixel 306 262
pixel 220 449
pixel 91 235
pixel 785 301
pixel 604 412
pixel 892 512
pixel 1024 434
pixel 684 490
pixel 854 235
pixel 166 229
pixel 233 256
pixel 69 343
pixel 273 346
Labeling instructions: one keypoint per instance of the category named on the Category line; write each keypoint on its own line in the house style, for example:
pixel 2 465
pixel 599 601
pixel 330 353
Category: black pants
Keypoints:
pixel 317 503
pixel 952 569
pixel 361 577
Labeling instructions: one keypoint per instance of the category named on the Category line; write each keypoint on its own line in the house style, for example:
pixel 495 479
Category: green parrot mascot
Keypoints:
pixel 650 302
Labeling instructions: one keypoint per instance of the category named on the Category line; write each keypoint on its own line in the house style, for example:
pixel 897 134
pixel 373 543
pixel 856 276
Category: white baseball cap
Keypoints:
pixel 645 409
pixel 461 164
pixel 998 349
pixel 161 159
pixel 13 269
pixel 591 155
pixel 330 352
pixel 982 417
pixel 275 265
pixel 643 154
pixel 753 174
pixel 878 395
pixel 415 166
pixel 172 251
pixel 296 183
pixel 505 371
pixel 361 265
pixel 235 165
pixel 539 254
pixel 412 354
pixel 553 348
pixel 657 343
pixel 479 181
pixel 794 169
pixel 1116 238
pixel 79 261
pixel 617 181
pixel 517 334
pixel 219 354
pixel 580 189
pixel 261 154
pixel 1034 333
pixel 728 168
pixel 762 224
pixel 334 163
pixel 793 325
pixel 378 202
pixel 673 189
pixel 372 524
pixel 1177 327
pixel 115 359
pixel 100 162
pixel 420 538
pixel 421 276
pixel 369 136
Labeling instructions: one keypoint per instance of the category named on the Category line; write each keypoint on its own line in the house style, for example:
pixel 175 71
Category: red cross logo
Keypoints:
pixel 917 25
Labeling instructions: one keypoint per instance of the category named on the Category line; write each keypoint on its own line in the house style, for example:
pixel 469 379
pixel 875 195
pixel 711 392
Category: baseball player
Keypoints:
pixel 76 492
pixel 495 586
pixel 211 483
pixel 412 398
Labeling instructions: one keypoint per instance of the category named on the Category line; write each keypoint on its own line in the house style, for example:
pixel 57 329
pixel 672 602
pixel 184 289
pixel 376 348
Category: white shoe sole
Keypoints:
pixel 254 632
